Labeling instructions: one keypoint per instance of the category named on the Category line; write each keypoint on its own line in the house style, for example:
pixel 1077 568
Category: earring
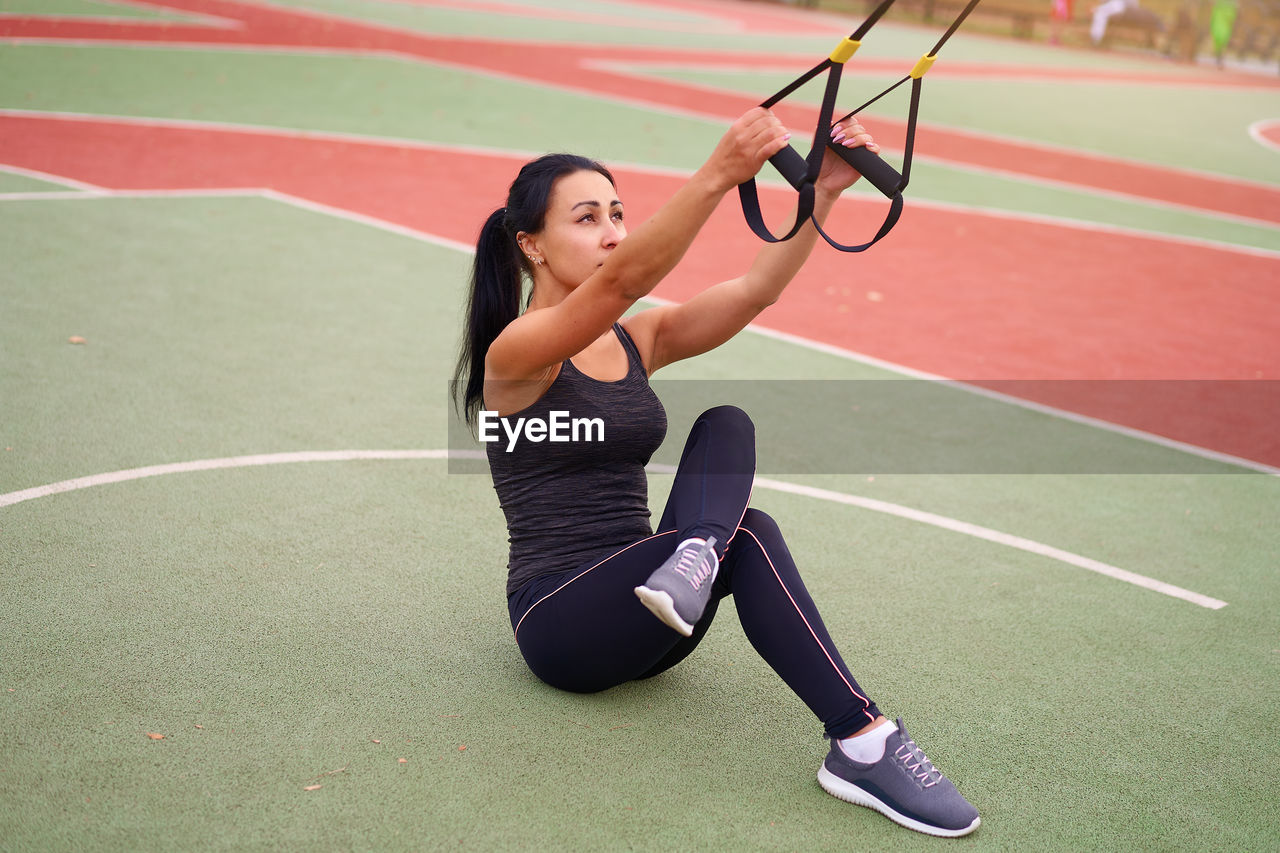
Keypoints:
pixel 537 261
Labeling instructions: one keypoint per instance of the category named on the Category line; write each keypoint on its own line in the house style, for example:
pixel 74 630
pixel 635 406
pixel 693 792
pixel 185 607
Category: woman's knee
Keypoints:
pixel 757 533
pixel 729 418
pixel 756 550
pixel 761 524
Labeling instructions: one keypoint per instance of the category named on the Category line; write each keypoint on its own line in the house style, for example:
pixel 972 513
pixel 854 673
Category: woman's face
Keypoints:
pixel 582 226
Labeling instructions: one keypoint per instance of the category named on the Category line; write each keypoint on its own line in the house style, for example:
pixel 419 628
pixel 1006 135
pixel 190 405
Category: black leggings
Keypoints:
pixel 584 630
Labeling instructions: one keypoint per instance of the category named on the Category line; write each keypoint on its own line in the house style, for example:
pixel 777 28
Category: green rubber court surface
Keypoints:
pixel 245 604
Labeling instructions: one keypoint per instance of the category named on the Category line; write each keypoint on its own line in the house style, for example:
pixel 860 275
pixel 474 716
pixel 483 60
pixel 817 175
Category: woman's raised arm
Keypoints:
pixel 570 310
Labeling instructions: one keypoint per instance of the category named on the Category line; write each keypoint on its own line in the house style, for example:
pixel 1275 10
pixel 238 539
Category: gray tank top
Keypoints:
pixel 569 502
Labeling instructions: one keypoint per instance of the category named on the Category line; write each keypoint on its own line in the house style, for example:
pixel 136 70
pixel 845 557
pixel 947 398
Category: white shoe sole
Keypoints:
pixel 850 793
pixel 661 605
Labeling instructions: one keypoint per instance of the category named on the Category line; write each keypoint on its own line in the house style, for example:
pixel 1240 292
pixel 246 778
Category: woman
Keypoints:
pixel 596 597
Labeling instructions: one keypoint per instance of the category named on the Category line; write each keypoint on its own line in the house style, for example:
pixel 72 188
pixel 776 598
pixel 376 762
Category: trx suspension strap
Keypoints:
pixel 802 172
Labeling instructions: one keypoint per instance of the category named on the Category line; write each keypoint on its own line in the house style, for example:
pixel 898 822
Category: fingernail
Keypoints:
pixel 838 137
pixel 786 136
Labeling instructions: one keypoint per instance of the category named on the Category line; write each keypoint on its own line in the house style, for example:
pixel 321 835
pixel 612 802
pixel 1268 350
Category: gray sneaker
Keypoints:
pixel 904 786
pixel 678 591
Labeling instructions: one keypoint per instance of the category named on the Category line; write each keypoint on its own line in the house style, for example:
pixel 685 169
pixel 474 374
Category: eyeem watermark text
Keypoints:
pixel 558 426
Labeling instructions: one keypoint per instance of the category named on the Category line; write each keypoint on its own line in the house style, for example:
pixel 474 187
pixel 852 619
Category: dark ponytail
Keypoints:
pixel 497 276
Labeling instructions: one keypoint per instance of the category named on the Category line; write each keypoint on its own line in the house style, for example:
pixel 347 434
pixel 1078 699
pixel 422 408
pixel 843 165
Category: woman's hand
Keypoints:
pixel 745 148
pixel 837 175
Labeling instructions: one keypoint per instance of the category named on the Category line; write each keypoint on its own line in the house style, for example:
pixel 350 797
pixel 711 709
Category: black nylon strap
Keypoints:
pixel 822 133
pixel 747 193
pixel 796 83
pixel 916 87
pixel 895 205
pixel 876 14
pixel 787 161
pixel 955 25
pixel 755 219
pixel 854 112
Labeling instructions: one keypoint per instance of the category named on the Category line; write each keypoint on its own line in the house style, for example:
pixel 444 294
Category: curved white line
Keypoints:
pixel 1257 132
pixel 11 498
pixel 942 521
pixel 997 537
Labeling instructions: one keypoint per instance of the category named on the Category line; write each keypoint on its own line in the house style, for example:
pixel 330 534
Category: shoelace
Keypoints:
pixel 693 564
pixel 918 764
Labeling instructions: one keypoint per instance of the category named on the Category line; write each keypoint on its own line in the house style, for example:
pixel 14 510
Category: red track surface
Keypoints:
pixel 568 67
pixel 960 294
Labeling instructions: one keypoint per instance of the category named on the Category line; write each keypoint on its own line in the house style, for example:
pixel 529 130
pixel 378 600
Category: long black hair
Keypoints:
pixel 497 276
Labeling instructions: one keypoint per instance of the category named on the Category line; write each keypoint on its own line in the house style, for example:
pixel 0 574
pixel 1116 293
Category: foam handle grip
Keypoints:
pixel 872 167
pixel 791 166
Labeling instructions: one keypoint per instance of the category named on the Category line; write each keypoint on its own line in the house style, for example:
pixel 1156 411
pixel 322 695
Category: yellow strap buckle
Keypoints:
pixel 845 50
pixel 922 67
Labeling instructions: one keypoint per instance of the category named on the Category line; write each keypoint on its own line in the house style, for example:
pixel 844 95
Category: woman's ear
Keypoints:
pixel 529 247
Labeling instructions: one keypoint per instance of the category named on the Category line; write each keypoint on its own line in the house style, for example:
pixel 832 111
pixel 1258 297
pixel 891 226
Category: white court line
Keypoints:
pixel 184 16
pixel 709 24
pixel 57 18
pixel 768 182
pixel 382 224
pixel 47 177
pixel 627 69
pixel 1063 414
pixel 995 536
pixel 822 494
pixel 624 69
pixel 1100 192
pixel 1257 130
pixel 246 192
pixel 50 195
pixel 962 70
pixel 11 498
pixel 941 521
pixel 635 70
pixel 179 16
pixel 289 133
pixel 385 26
pixel 753 328
pixel 99 195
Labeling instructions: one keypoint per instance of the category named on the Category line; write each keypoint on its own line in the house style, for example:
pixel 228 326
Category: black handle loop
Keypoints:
pixel 802 172
pixel 895 211
pixel 860 158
